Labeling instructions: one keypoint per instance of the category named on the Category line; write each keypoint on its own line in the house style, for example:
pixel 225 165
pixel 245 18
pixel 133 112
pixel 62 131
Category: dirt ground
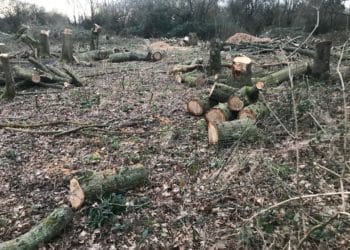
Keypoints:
pixel 198 196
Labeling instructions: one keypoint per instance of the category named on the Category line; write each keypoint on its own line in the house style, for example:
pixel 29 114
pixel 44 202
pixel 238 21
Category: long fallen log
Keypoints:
pixel 185 68
pixel 46 230
pixel 218 114
pixel 100 183
pixel 228 132
pixel 198 106
pixel 192 79
pixel 132 56
pixel 95 55
pixel 283 75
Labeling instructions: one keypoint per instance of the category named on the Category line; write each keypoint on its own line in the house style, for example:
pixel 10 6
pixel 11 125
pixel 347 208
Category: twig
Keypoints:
pixel 309 196
pixel 331 171
pixel 322 225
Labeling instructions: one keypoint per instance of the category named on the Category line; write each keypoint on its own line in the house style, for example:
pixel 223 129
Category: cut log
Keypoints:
pixel 45 231
pixel 95 55
pixel 9 92
pixel 44 45
pixel 253 112
pixel 198 106
pixel 185 68
pixel 214 57
pixel 226 133
pixel 76 80
pixel 320 67
pixel 283 75
pixel 67 48
pixel 193 79
pixel 100 183
pixel 26 74
pixel 225 79
pixel 156 56
pixel 129 56
pixel 221 92
pixel 194 61
pixel 218 114
pixel 242 71
pixel 235 103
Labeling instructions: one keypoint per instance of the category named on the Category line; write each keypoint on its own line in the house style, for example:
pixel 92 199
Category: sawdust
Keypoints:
pixel 243 37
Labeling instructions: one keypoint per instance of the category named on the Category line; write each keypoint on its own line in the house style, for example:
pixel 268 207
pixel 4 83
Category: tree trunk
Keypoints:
pixel 9 82
pixel 44 46
pixel 283 75
pixel 221 92
pixel 95 33
pixel 218 114
pixel 129 56
pixel 253 112
pixel 214 57
pixel 95 55
pixel 242 71
pixel 67 48
pixel 198 106
pixel 192 39
pixel 226 133
pixel 100 183
pixel 46 230
pixel 320 67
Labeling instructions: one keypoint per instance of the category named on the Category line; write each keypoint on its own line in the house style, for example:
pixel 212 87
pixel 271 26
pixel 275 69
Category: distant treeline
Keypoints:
pixel 155 18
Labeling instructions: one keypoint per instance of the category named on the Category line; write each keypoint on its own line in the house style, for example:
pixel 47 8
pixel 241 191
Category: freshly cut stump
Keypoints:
pixel 44 46
pixel 218 114
pixel 67 48
pixel 198 106
pixel 253 111
pixel 228 132
pixel 242 71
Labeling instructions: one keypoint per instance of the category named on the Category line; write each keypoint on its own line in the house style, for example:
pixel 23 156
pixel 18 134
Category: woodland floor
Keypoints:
pixel 199 196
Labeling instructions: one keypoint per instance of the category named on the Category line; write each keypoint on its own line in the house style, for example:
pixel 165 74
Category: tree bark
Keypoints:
pixel 320 67
pixel 46 230
pixel 192 39
pixel 95 33
pixel 253 112
pixel 193 79
pixel 9 82
pixel 95 55
pixel 226 133
pixel 185 68
pixel 198 106
pixel 44 45
pixel 214 57
pixel 67 48
pixel 100 183
pixel 221 92
pixel 283 75
pixel 218 114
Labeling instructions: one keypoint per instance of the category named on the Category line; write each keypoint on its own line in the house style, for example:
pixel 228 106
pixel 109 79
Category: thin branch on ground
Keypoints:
pixel 308 196
pixel 345 128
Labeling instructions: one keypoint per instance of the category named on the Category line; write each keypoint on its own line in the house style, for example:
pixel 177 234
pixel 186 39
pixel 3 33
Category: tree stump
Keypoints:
pixel 9 92
pixel 192 39
pixel 320 67
pixel 95 34
pixel 242 71
pixel 67 48
pixel 214 57
pixel 44 45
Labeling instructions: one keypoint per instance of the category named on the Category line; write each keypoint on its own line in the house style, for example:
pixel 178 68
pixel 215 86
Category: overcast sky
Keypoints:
pixel 69 7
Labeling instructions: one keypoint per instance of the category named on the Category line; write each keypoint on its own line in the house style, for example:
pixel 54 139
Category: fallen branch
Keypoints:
pixel 46 230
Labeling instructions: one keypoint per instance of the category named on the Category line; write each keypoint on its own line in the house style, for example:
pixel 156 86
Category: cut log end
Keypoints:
pixel 213 135
pixel 194 107
pixel 36 78
pixel 4 56
pixel 215 116
pixel 235 103
pixel 242 60
pixel 45 32
pixel 157 56
pixel 178 78
pixel 260 85
pixel 246 113
pixel 76 194
pixel 68 32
